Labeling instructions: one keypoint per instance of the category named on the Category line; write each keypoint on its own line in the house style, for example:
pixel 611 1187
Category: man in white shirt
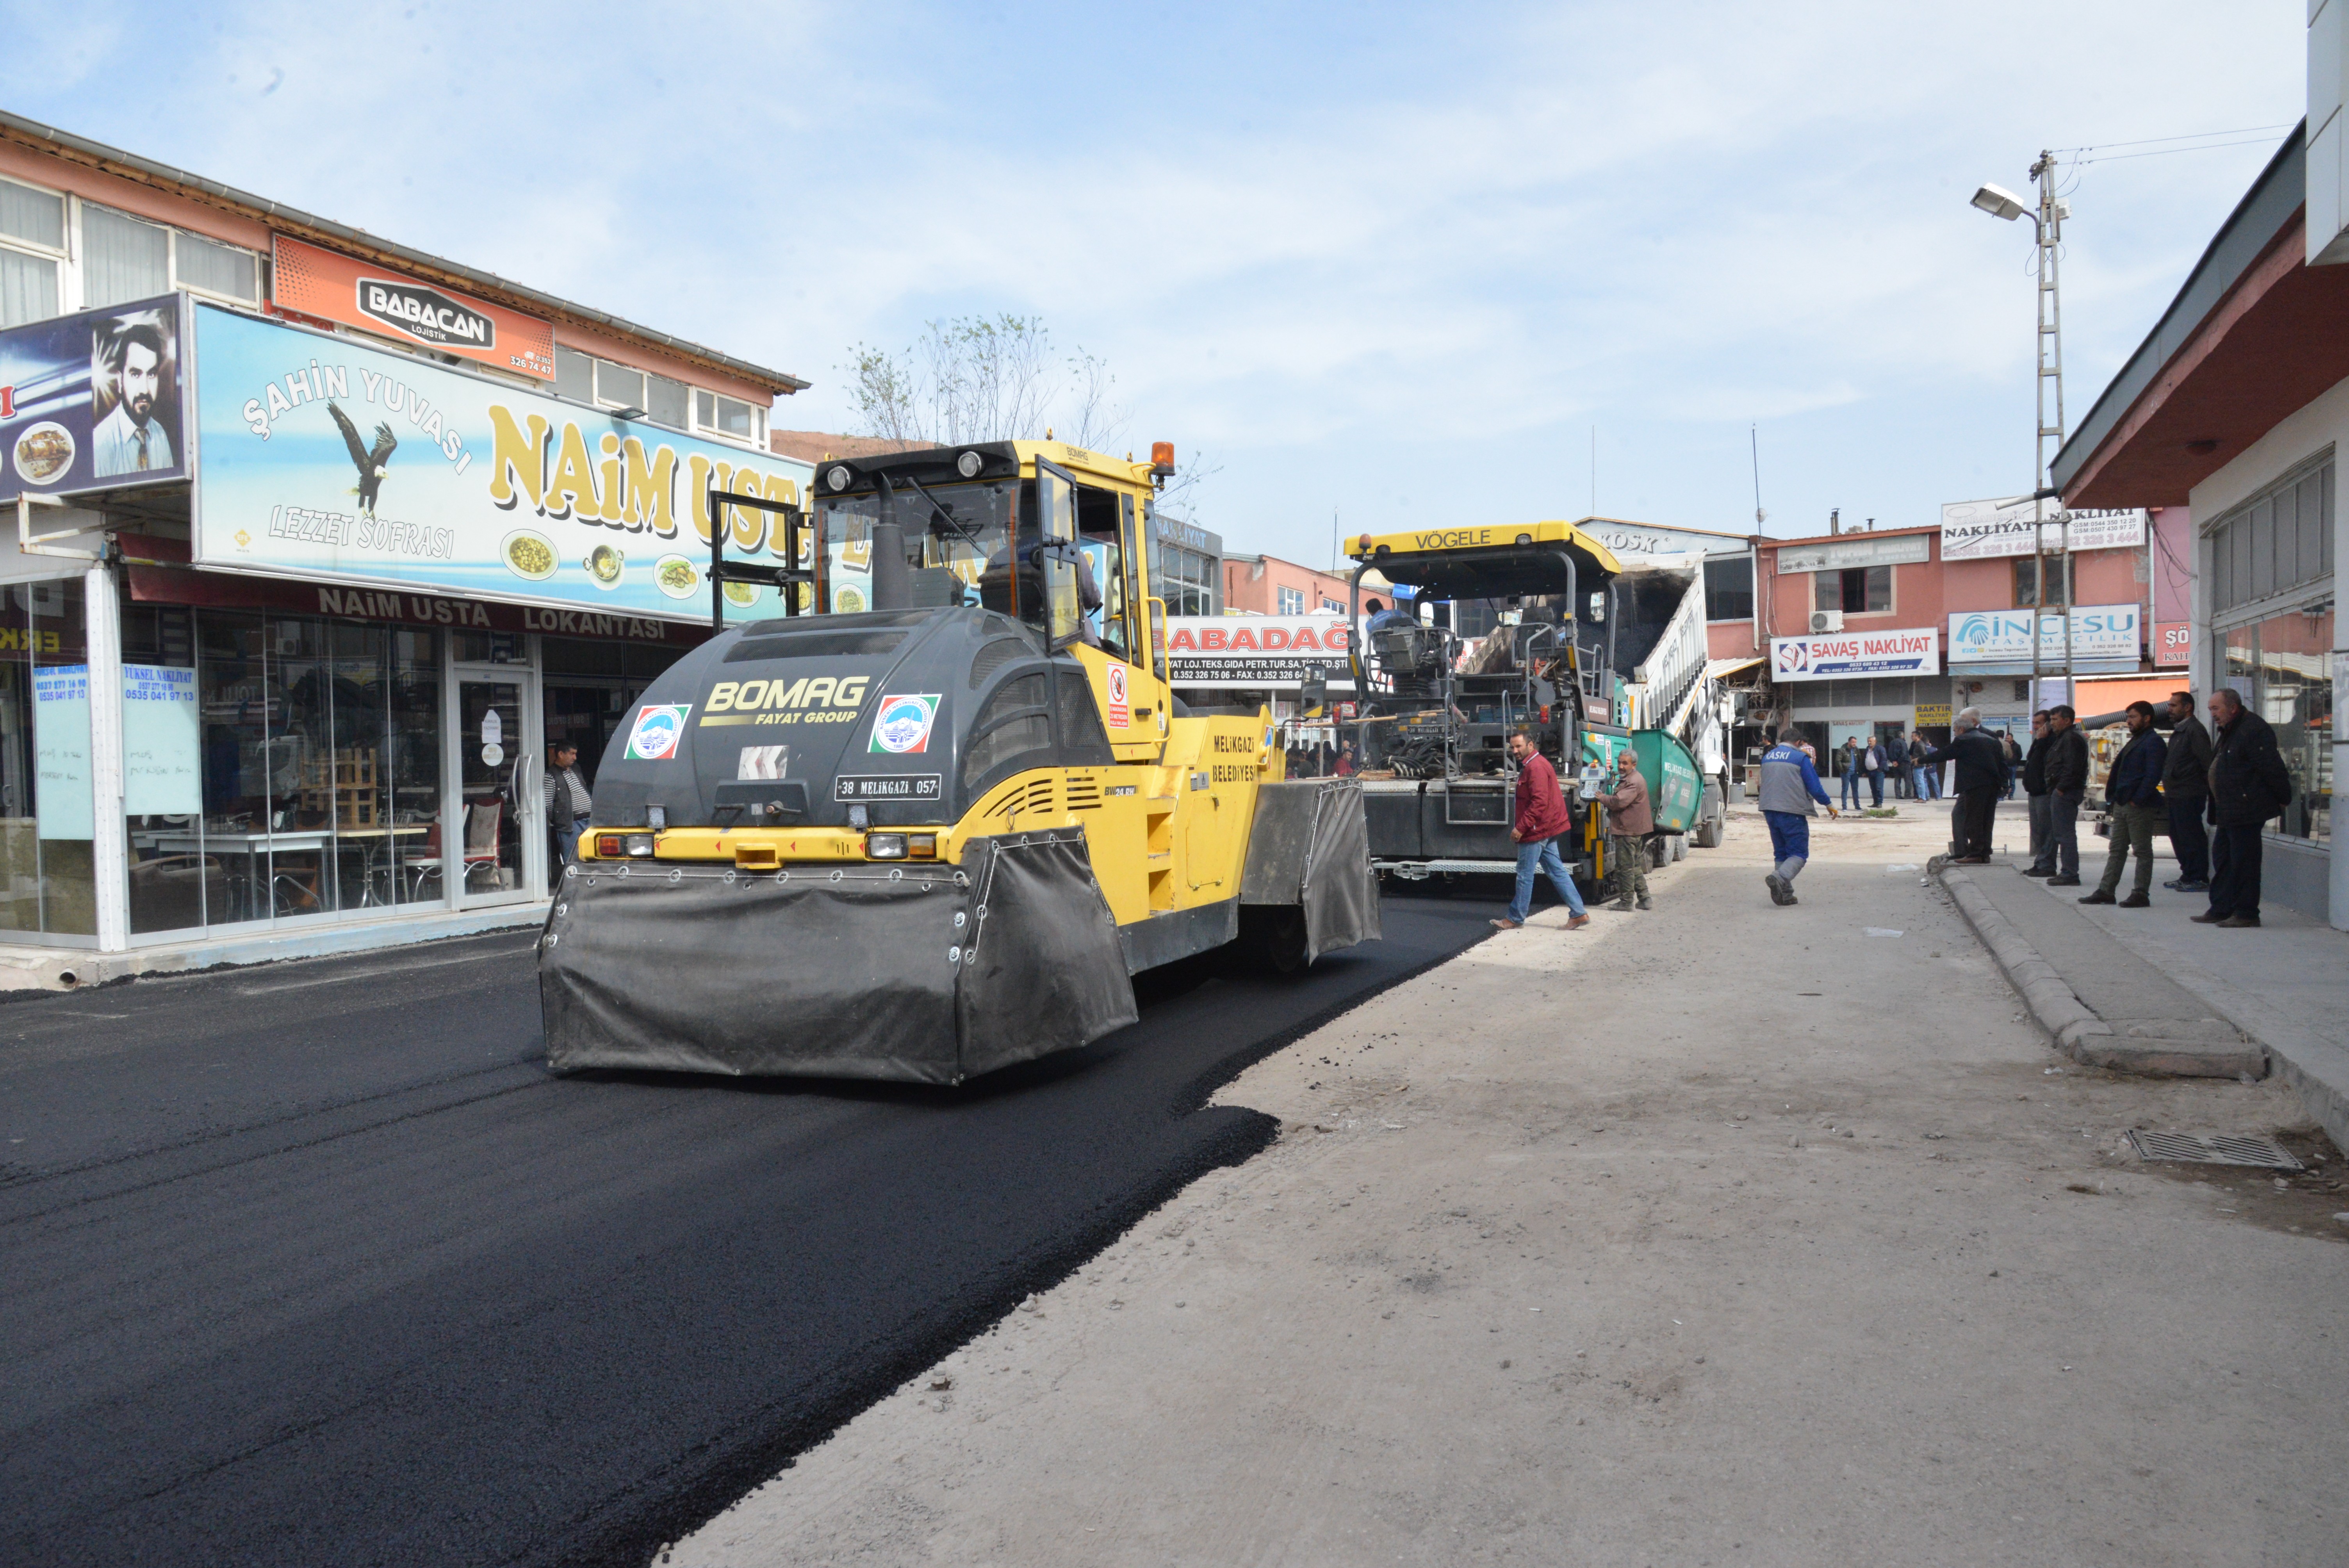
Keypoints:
pixel 130 440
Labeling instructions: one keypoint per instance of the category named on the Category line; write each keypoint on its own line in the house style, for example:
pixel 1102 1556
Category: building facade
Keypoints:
pixel 321 542
pixel 1267 585
pixel 1881 634
pixel 2235 407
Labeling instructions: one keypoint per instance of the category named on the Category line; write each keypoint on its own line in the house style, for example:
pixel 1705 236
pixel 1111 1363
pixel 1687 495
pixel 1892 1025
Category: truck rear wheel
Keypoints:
pixel 1711 813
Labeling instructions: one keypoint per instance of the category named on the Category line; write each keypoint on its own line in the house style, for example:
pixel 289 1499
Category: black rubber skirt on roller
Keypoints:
pixel 917 974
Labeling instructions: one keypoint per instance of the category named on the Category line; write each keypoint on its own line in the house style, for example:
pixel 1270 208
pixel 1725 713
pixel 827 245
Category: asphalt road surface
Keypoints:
pixel 316 1263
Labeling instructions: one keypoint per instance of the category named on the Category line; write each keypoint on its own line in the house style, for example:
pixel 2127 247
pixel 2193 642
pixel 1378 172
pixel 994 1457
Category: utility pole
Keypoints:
pixel 2049 220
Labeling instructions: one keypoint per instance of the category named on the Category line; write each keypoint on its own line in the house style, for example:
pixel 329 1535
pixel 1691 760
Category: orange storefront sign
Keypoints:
pixel 336 288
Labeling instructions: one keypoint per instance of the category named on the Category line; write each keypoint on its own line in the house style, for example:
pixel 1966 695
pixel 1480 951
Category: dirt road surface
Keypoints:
pixel 1723 1234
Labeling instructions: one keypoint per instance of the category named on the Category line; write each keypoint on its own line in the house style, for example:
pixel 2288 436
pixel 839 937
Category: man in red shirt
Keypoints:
pixel 1541 817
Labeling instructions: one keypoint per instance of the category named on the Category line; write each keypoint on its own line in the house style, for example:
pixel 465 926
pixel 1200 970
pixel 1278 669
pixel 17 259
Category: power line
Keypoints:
pixel 2163 151
pixel 2198 136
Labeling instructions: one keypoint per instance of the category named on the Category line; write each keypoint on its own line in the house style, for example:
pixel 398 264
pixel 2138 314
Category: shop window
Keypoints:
pixel 45 796
pixel 728 417
pixel 668 405
pixel 2279 540
pixel 32 222
pixel 618 386
pixel 308 774
pixel 214 268
pixel 2281 667
pixel 1729 590
pixel 1856 591
pixel 2026 581
pixel 1290 601
pixel 122 258
pixel 574 375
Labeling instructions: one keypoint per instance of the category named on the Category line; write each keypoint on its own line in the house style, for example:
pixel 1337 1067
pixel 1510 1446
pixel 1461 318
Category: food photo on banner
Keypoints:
pixel 324 460
pixel 92 401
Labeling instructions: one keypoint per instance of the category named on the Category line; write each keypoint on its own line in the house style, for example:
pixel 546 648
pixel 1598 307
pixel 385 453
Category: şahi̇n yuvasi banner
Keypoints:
pixel 92 402
pixel 321 459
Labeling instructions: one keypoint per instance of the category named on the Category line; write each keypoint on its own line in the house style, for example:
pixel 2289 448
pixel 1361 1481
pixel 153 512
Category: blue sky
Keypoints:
pixel 1392 261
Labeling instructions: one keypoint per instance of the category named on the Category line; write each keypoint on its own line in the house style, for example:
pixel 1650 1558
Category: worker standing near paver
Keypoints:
pixel 1789 786
pixel 1541 819
pixel 1630 820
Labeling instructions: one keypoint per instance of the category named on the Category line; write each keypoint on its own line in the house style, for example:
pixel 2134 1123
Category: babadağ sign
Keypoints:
pixel 1264 651
pixel 1841 655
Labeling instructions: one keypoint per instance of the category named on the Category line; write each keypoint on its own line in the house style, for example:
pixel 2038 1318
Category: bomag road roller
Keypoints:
pixel 931 819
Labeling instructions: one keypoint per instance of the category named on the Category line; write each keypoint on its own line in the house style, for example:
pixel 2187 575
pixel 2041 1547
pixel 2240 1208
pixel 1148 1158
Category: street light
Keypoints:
pixel 2000 203
pixel 2047 219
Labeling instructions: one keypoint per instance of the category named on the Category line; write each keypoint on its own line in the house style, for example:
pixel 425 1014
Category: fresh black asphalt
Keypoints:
pixel 316 1263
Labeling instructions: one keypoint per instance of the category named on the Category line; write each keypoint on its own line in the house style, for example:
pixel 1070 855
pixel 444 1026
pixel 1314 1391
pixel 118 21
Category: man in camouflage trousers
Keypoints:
pixel 1630 820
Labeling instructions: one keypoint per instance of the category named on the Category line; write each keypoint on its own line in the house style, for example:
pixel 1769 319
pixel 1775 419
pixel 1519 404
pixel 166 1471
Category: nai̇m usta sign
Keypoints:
pixel 321 459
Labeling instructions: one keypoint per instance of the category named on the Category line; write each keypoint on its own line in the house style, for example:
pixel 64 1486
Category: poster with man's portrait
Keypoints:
pixel 134 393
pixel 93 401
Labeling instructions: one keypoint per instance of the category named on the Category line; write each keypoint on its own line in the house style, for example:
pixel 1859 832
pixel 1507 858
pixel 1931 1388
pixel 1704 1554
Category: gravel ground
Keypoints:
pixel 1722 1234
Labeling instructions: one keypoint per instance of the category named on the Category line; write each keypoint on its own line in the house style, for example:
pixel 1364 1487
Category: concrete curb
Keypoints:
pixel 2075 1027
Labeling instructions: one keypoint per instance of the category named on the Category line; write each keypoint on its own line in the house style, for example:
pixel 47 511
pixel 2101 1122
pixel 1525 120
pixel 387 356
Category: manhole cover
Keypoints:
pixel 2216 1150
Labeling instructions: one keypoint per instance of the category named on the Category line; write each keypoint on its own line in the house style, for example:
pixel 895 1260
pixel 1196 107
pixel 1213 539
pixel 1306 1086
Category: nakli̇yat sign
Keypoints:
pixel 1838 656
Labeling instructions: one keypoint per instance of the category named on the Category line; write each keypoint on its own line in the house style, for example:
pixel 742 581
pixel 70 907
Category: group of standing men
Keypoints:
pixel 2212 790
pixel 1903 761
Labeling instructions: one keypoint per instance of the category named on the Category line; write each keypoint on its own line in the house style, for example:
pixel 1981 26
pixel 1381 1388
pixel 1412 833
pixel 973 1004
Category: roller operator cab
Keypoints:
pixel 931 822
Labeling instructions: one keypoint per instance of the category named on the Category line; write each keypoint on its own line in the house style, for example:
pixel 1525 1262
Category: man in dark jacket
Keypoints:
pixel 1872 763
pixel 1980 774
pixel 2034 791
pixel 2067 786
pixel 2133 788
pixel 1541 817
pixel 2185 787
pixel 2249 784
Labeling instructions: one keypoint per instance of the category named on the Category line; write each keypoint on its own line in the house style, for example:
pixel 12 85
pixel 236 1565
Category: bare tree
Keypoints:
pixel 983 379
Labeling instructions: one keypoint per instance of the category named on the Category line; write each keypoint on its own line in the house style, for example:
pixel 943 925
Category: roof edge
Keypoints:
pixel 309 226
pixel 2232 252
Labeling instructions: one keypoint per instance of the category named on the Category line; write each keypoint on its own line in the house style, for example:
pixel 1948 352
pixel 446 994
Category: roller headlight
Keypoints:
pixel 838 478
pixel 640 845
pixel 885 846
pixel 968 464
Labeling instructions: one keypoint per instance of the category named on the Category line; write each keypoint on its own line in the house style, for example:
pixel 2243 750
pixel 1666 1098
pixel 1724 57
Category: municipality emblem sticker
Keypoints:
pixel 902 724
pixel 657 731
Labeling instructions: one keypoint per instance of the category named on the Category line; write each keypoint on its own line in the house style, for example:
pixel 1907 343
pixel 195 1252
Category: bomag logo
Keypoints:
pixel 810 699
pixel 1451 538
pixel 425 314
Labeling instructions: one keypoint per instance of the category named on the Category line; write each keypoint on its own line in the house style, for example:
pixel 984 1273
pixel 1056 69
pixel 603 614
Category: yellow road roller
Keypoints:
pixel 930 819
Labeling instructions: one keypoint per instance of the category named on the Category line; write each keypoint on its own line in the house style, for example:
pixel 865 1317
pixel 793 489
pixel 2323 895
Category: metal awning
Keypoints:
pixel 1716 668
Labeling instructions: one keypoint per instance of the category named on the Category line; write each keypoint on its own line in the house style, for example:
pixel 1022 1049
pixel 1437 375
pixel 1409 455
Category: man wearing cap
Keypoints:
pixel 1630 820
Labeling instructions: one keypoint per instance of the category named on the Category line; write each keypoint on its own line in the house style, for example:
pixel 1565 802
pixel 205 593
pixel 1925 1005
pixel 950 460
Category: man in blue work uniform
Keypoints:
pixel 1789 785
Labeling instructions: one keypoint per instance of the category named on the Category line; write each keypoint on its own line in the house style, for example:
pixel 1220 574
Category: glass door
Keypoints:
pixel 497 851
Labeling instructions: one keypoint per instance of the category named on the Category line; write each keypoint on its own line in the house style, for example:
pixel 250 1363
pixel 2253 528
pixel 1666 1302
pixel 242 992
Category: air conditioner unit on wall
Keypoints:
pixel 1826 620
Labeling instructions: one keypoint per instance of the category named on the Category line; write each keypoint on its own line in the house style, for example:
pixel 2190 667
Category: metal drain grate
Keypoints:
pixel 2216 1150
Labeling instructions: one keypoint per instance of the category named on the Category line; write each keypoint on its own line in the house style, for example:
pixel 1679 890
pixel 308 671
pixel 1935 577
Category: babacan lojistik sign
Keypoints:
pixel 2099 632
pixel 91 401
pixel 324 460
pixel 1842 655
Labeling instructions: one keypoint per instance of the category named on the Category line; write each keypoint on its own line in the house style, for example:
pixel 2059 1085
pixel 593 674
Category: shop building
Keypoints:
pixel 1732 633
pixel 1880 634
pixel 2233 411
pixel 1267 585
pixel 315 543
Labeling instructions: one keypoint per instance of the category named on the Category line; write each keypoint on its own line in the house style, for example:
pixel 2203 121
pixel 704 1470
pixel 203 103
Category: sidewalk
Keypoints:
pixel 1730 1234
pixel 2142 978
